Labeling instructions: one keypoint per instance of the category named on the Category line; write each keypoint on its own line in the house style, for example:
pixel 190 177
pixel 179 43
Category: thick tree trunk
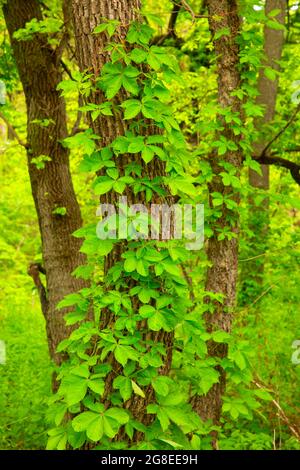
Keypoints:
pixel 52 186
pixel 222 255
pixel 267 88
pixel 91 55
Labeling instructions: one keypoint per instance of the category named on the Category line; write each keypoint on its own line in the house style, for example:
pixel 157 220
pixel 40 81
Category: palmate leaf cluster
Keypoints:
pixel 159 299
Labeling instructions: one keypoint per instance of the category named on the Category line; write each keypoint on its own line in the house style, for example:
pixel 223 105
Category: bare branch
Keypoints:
pixel 287 125
pixel 66 69
pixel 173 18
pixel 177 6
pixel 34 271
pixel 66 33
pixel 76 126
pixel 189 282
pixel 295 431
pixel 13 131
pixel 159 40
pixel 282 162
pixel 188 8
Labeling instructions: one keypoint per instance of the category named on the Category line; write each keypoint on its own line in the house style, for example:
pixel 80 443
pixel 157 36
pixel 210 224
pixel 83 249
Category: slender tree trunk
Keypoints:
pixel 52 186
pixel 222 255
pixel 91 55
pixel 267 88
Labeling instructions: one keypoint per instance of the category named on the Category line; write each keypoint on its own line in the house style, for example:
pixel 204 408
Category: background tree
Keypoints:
pixel 267 89
pixel 48 165
pixel 223 254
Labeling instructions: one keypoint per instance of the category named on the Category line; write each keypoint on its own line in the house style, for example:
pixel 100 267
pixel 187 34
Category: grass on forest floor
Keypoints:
pixel 25 378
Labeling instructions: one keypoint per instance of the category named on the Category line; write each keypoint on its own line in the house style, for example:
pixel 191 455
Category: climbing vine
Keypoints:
pixel 138 352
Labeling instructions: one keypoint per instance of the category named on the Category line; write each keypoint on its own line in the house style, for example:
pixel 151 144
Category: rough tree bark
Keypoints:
pixel 267 88
pixel 222 255
pixel 91 56
pixel 52 186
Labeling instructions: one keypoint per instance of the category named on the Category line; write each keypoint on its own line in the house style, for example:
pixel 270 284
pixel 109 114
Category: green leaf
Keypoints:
pixel 222 32
pixel 74 317
pixel 187 420
pixel 141 269
pixel 59 211
pixel 130 85
pixel 146 311
pixel 274 12
pixel 263 395
pixel 239 359
pixel 69 300
pixel 163 418
pixel 145 295
pixel 110 26
pixel 100 28
pixel 136 145
pixel 76 439
pixel 270 73
pixel 119 187
pixel 137 390
pixel 97 386
pixel 113 173
pixel 132 108
pixel 172 268
pixel 84 141
pixel 103 185
pixel 273 24
pixel 118 414
pixel 90 422
pixel 161 385
pixel 139 33
pixel 110 426
pixel 208 377
pixel 123 384
pixel 57 439
pixel 157 322
pixel 74 388
pixel 152 408
pixel 147 154
pixel 138 55
pixel 112 86
pixel 221 336
pixel 130 264
pixel 124 353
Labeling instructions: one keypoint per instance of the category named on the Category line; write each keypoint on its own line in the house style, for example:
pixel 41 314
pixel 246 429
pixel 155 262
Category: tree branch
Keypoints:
pixel 14 132
pixel 293 428
pixel 159 40
pixel 66 69
pixel 282 162
pixel 67 13
pixel 272 159
pixel 76 125
pixel 187 7
pixel 291 120
pixel 34 271
pixel 189 282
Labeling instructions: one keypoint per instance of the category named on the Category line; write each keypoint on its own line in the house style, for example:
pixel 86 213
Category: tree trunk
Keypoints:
pixel 267 88
pixel 91 55
pixel 52 186
pixel 222 255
